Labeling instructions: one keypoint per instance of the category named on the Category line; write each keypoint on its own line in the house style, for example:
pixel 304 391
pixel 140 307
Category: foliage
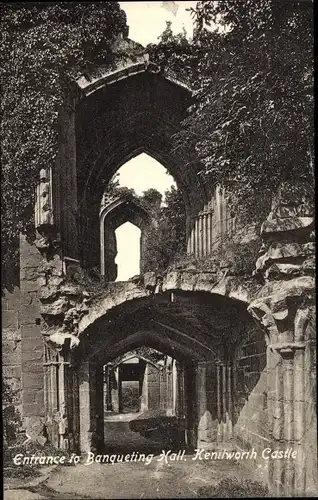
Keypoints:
pixel 152 197
pixel 174 54
pixel 232 487
pixel 130 396
pixel 237 253
pixel 90 280
pixel 11 417
pixel 251 121
pixel 44 47
pixel 168 239
pixel 231 255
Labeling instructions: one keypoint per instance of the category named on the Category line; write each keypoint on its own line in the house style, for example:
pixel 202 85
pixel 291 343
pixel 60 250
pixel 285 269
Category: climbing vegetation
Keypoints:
pixel 251 119
pixel 250 65
pixel 167 241
pixel 44 47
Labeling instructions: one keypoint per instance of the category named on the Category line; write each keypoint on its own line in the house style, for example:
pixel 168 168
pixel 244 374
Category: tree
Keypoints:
pixel 152 197
pixel 44 46
pixel 173 53
pixel 167 242
pixel 251 122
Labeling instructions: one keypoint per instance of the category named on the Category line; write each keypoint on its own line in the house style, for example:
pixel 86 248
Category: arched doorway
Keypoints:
pixel 221 362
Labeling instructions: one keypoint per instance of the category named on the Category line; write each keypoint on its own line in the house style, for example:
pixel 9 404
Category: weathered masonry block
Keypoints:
pixel 11 343
pixel 31 341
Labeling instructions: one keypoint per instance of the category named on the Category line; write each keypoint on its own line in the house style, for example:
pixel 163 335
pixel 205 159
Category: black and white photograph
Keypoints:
pixel 158 249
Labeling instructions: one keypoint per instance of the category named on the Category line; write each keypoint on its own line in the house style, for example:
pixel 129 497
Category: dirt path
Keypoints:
pixel 131 480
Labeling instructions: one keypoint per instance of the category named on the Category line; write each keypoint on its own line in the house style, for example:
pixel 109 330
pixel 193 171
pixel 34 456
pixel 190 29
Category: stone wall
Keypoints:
pixel 153 387
pixel 31 341
pixel 285 307
pixel 250 407
pixel 11 343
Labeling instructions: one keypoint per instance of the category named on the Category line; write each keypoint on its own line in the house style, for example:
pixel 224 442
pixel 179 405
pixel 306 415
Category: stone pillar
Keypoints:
pixel 285 309
pixel 224 376
pixel 163 388
pixel 180 406
pixel 219 401
pixel 170 402
pixel 62 403
pixel 209 234
pixel 115 400
pixel 229 401
pixel 109 405
pixel 144 390
pixel 32 346
pixel 206 404
pixel 204 235
pixel 51 402
pixel 200 249
pixel 67 181
pixel 87 408
pixel 192 246
pixel 174 387
pixel 191 238
pixel 98 435
pixel 119 390
pixel 197 238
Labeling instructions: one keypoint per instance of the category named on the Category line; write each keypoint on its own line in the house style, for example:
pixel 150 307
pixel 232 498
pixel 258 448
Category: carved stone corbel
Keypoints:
pixel 44 209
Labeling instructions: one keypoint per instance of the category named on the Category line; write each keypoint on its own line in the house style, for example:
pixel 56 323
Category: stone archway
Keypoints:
pixel 198 329
pixel 124 208
pixel 114 121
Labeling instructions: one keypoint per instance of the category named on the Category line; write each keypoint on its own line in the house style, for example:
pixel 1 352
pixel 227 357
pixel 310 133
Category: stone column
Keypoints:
pixel 62 403
pixel 86 406
pixel 180 406
pixel 174 386
pixel 119 390
pixel 285 309
pixel 204 235
pixel 219 401
pixel 170 390
pixel 206 404
pixel 51 395
pixel 32 348
pixel 144 389
pixel 98 434
pixel 197 238
pixel 209 233
pixel 191 238
pixel 224 377
pixel 230 401
pixel 163 388
pixel 200 254
pixel 109 405
pixel 67 181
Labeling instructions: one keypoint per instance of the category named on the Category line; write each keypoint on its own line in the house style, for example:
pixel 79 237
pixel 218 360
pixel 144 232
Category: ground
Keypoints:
pixel 131 480
pixel 178 479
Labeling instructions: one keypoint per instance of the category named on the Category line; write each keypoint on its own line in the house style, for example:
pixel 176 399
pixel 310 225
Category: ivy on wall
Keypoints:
pixel 44 46
pixel 250 65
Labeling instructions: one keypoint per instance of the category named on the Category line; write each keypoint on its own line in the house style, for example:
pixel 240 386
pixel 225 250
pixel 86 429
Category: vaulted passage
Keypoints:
pixel 206 382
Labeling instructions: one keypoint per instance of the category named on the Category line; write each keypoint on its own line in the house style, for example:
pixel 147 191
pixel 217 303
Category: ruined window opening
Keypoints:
pixel 128 251
pixel 128 207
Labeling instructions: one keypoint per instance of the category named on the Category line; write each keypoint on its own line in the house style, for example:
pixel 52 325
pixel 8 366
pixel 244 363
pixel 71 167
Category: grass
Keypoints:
pixel 235 488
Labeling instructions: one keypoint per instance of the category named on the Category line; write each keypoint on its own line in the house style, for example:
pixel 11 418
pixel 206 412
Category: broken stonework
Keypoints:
pixel 285 307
